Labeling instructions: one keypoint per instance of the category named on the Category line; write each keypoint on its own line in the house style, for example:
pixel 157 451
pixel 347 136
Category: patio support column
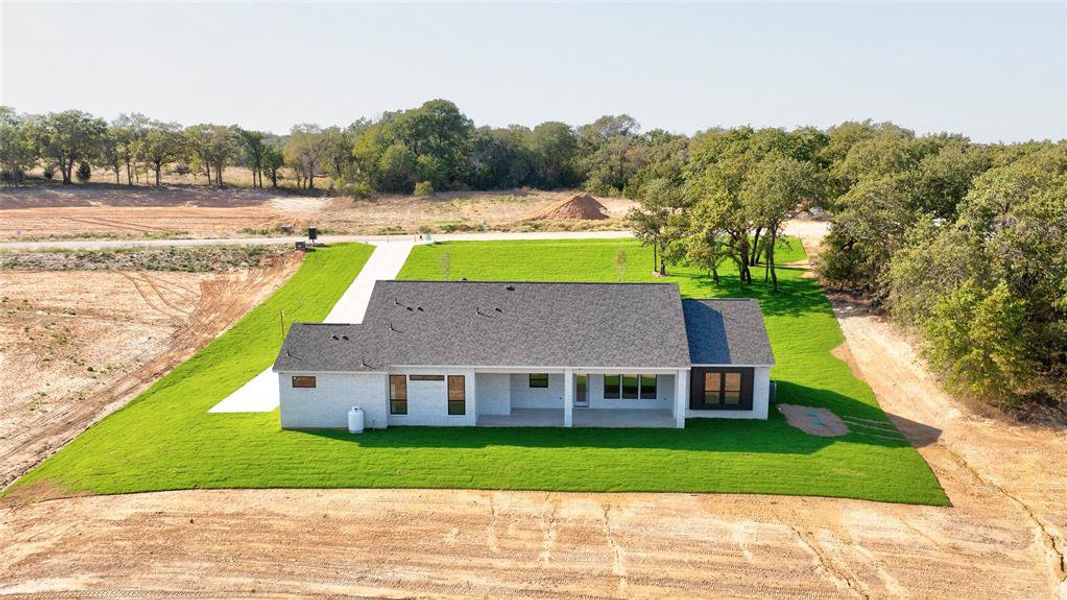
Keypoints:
pixel 568 398
pixel 681 395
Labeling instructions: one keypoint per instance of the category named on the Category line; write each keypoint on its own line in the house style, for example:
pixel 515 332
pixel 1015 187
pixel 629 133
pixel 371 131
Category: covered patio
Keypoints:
pixel 581 417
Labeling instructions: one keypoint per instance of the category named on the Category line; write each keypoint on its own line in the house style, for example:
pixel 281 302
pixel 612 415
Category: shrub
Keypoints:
pixel 424 188
pixel 357 190
pixel 84 172
pixel 181 168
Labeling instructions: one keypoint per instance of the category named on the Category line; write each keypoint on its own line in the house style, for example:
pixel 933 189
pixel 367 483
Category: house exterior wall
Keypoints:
pixel 523 396
pixel 428 400
pixel 761 388
pixel 494 393
pixel 326 405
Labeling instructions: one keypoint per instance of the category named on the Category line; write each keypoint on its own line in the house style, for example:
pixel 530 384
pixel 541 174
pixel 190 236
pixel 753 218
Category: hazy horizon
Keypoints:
pixel 992 72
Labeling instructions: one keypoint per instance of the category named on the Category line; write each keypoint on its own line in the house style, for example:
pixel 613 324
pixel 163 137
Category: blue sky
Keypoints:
pixel 995 72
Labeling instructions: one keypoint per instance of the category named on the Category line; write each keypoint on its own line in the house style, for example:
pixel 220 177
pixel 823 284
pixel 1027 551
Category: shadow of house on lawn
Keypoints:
pixel 796 296
pixel 867 425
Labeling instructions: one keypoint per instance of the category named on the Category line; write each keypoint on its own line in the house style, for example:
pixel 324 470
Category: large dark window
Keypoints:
pixel 629 387
pixel 648 387
pixel 304 381
pixel 712 388
pixel 731 389
pixel 398 395
pixel 612 388
pixel 721 388
pixel 539 380
pixel 457 395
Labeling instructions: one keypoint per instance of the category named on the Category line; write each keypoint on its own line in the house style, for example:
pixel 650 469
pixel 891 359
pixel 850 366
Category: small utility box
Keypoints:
pixel 313 234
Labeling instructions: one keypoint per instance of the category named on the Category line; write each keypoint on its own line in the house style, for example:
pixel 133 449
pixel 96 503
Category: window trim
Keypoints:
pixel 426 377
pixel 530 381
pixel 641 387
pixel 617 395
pixel 698 393
pixel 304 378
pixel 620 386
pixel 393 401
pixel 461 401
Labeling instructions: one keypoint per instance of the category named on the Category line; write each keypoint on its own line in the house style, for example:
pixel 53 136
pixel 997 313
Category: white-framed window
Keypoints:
pixel 630 387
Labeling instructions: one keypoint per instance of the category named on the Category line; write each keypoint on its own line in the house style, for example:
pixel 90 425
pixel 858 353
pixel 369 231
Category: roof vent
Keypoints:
pixel 344 337
pixel 419 308
pixel 509 287
pixel 410 309
pixel 497 309
pixel 393 328
pixel 334 337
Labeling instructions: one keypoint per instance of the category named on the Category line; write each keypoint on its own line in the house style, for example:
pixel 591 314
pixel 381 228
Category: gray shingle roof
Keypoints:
pixel 499 324
pixel 727 331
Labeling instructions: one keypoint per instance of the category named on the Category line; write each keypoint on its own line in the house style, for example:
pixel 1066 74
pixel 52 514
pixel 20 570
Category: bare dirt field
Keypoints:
pixel 1004 536
pixel 76 345
pixel 507 211
pixel 115 211
pixel 119 211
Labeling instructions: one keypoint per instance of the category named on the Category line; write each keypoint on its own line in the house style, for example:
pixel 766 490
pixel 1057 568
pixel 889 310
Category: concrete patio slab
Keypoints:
pixel 583 417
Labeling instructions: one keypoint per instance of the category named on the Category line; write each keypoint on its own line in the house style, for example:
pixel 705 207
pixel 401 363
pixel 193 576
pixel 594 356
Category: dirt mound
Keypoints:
pixel 815 421
pixel 579 207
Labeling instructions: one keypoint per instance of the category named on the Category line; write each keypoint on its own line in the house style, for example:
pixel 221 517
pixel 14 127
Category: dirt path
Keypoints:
pixel 1017 469
pixel 92 340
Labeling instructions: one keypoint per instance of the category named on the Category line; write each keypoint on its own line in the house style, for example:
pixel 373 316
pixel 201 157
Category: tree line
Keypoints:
pixel 432 147
pixel 963 242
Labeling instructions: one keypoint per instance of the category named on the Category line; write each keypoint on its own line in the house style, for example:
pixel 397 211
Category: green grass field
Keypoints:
pixel 165 439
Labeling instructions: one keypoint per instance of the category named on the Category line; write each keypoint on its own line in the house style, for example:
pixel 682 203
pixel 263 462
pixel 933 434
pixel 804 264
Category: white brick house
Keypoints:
pixel 529 354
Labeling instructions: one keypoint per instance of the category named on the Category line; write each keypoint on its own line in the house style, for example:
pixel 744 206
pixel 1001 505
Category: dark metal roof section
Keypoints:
pixel 726 331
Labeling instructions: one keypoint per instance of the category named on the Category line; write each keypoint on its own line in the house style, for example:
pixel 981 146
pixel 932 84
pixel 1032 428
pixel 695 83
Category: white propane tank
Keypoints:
pixel 355 420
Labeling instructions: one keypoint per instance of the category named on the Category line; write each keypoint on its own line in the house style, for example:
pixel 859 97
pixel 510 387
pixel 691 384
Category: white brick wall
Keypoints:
pixel 523 396
pixel 326 405
pixel 428 400
pixel 494 393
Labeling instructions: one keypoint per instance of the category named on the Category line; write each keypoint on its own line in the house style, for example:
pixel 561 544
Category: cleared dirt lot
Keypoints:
pixel 76 345
pixel 1003 538
pixel 105 210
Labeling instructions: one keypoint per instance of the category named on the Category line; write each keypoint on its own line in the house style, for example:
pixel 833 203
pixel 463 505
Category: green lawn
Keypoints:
pixel 165 439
